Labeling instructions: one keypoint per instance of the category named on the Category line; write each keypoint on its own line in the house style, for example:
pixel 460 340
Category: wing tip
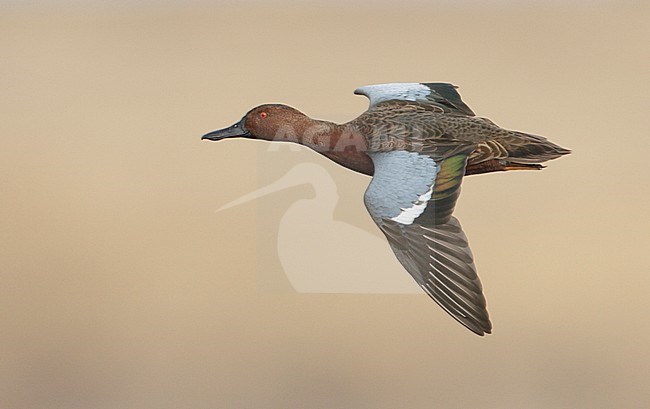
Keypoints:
pixel 477 327
pixel 480 325
pixel 482 331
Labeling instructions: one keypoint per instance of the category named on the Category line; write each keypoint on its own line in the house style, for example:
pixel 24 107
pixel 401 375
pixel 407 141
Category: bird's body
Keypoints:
pixel 417 140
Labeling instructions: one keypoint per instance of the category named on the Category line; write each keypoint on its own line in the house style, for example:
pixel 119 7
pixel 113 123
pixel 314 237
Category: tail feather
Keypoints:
pixel 526 148
pixel 513 150
pixel 499 165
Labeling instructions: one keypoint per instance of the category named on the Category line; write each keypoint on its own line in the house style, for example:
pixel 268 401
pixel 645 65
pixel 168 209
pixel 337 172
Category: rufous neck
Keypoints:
pixel 324 136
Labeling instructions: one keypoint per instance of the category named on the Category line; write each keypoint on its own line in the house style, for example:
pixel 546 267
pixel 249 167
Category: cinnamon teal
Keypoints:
pixel 417 141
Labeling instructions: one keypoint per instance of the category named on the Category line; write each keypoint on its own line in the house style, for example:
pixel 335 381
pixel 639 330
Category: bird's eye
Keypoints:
pixel 263 115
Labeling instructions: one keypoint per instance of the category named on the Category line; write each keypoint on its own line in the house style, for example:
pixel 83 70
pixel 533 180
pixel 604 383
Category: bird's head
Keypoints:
pixel 271 122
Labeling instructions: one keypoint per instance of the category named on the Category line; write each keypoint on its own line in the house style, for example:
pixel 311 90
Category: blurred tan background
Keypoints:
pixel 120 287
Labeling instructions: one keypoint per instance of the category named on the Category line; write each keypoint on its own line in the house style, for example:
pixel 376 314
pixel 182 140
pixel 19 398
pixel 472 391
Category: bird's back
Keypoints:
pixel 417 127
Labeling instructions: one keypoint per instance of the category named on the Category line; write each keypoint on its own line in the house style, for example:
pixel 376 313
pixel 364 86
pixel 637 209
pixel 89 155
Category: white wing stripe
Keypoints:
pixel 409 214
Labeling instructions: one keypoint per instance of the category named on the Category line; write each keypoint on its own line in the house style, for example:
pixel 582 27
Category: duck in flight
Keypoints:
pixel 417 141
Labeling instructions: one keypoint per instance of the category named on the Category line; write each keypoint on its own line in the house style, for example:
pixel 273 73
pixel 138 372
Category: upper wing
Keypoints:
pixel 411 198
pixel 440 95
